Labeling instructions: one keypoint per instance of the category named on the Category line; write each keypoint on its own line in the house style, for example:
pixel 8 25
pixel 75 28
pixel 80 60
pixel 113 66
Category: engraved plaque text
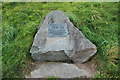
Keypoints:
pixel 57 30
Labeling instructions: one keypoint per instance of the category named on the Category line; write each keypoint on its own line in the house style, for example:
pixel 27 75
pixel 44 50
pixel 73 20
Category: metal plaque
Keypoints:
pixel 57 30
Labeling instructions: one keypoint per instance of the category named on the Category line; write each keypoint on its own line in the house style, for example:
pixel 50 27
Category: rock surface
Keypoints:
pixel 75 46
pixel 58 70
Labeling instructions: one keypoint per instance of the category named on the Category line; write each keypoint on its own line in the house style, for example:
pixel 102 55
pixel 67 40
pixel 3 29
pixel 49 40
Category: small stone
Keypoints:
pixel 57 39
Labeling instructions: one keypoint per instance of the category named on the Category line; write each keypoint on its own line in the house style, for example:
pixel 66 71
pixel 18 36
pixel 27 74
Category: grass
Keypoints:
pixel 97 21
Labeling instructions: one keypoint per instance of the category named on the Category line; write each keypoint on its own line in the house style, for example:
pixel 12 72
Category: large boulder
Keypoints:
pixel 57 39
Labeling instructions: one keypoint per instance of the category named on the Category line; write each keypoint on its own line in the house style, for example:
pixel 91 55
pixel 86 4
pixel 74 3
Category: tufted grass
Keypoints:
pixel 97 21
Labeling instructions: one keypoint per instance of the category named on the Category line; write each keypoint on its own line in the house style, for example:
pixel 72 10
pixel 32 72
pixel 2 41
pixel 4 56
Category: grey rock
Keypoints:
pixel 58 70
pixel 75 46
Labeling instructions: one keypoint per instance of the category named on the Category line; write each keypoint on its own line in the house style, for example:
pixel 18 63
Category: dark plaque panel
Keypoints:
pixel 57 30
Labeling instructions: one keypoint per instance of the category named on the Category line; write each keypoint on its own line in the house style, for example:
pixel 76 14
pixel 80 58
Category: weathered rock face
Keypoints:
pixel 58 40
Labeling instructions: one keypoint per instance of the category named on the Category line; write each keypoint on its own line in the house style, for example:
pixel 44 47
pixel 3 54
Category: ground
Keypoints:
pixel 97 21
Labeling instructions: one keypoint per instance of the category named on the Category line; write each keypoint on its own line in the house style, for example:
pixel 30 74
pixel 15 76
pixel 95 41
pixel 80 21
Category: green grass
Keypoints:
pixel 97 21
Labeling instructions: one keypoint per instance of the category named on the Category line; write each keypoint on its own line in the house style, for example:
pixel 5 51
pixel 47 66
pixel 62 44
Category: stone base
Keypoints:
pixel 58 70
